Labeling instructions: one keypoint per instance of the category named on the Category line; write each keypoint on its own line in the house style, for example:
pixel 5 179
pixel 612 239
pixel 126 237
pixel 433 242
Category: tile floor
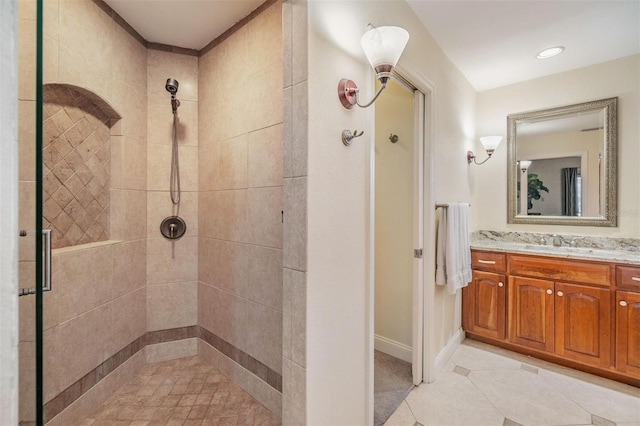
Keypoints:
pixel 187 391
pixel 484 385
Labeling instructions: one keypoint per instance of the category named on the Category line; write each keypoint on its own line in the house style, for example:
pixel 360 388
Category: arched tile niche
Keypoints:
pixel 76 165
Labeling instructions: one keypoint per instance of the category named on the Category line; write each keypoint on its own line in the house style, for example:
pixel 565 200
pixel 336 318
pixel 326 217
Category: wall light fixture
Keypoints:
pixel 383 47
pixel 524 165
pixel 490 143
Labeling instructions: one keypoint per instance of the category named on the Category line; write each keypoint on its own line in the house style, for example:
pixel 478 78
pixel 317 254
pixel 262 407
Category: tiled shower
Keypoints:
pixel 123 295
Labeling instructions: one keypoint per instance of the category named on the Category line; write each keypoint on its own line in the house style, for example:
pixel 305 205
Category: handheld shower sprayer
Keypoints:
pixel 172 87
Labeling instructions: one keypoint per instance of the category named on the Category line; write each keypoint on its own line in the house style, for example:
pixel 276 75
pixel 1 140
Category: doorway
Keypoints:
pixel 398 244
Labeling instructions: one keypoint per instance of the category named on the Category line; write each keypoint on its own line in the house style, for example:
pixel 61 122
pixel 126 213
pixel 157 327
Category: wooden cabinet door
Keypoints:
pixel 531 313
pixel 583 324
pixel 628 332
pixel 485 305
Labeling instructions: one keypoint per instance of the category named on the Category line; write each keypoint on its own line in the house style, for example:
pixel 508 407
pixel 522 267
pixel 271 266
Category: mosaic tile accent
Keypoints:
pixel 65 398
pixel 77 167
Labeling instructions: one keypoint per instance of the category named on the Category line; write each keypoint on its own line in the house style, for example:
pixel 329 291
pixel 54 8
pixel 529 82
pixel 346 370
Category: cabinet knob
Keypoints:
pixel 623 303
pixel 500 284
pixel 560 293
pixel 549 291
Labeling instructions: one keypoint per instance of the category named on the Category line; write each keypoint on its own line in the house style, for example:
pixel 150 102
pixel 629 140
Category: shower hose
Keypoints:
pixel 174 185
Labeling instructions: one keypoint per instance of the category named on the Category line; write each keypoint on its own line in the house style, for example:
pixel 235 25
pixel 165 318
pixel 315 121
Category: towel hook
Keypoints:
pixel 347 136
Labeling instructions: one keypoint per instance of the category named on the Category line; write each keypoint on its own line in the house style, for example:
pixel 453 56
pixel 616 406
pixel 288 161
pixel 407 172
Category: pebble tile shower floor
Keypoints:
pixel 187 391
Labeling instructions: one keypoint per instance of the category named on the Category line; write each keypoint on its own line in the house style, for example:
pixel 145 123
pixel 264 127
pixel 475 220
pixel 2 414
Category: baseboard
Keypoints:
pixel 393 348
pixel 445 354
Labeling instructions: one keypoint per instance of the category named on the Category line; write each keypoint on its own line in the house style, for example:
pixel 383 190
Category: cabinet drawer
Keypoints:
pixel 561 270
pixel 628 277
pixel 488 261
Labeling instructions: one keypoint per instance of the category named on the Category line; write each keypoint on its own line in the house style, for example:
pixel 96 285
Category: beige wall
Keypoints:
pixel 394 221
pixel 240 188
pixel 620 78
pixel 338 293
pixel 172 265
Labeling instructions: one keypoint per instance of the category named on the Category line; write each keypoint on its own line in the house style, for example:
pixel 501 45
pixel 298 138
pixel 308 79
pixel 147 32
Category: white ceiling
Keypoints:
pixel 493 42
pixel 183 23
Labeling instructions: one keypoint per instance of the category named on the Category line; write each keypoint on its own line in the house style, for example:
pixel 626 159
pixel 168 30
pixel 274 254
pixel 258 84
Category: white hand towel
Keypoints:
pixel 453 252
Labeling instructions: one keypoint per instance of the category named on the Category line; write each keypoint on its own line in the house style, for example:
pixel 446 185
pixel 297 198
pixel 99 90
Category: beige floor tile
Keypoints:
pixel 452 400
pixel 186 391
pixel 615 406
pixel 525 398
pixel 402 416
pixel 475 359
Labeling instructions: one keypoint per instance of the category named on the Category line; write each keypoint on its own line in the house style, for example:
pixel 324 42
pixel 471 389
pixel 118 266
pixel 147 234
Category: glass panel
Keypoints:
pixel 30 184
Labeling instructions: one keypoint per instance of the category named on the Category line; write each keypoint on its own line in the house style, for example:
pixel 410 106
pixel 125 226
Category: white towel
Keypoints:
pixel 453 253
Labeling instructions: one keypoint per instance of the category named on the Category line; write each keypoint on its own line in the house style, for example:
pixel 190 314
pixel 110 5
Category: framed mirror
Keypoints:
pixel 562 165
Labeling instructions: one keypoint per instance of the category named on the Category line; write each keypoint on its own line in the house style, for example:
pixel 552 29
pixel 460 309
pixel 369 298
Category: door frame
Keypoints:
pixel 424 236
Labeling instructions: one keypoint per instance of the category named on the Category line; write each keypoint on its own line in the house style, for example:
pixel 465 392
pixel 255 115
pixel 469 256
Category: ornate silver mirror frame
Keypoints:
pixel 608 211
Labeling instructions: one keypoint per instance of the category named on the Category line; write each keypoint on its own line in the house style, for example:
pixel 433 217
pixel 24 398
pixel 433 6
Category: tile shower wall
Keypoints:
pixel 99 294
pixel 240 198
pixel 172 265
pixel 77 174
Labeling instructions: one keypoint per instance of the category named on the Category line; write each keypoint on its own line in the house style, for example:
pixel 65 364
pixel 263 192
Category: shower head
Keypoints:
pixel 172 86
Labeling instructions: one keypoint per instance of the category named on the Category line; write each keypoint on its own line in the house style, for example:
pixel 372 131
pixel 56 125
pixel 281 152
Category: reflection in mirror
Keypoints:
pixel 566 157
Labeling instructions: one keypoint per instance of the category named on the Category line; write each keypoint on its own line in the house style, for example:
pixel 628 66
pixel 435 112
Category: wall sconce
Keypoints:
pixel 383 47
pixel 524 165
pixel 490 143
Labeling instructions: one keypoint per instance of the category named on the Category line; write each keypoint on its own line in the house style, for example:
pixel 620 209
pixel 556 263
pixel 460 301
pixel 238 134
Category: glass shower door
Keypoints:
pixel 34 245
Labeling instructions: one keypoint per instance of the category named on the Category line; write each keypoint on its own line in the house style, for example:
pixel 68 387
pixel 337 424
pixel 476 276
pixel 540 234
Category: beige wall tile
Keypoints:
pixel 228 367
pixel 117 161
pixel 128 320
pixel 184 68
pixel 264 97
pixel 300 147
pixel 171 350
pixel 130 60
pixel 230 270
pixel 233 163
pixel 83 279
pixel 286 44
pixel 265 394
pixel 208 166
pixel 287 313
pixel 265 276
pixel 159 207
pixel 159 167
pixel 130 103
pixel 226 315
pixel 287 132
pixel 129 267
pixel 27 379
pixel 50 59
pixel 134 173
pixel 265 160
pixel 27 9
pixel 294 391
pixel 265 335
pixel 207 211
pixel 172 305
pixel 26 61
pixel 26 220
pixel 172 261
pixel 207 299
pixel 299 317
pixel 295 232
pixel 233 59
pixel 299 47
pixel 265 216
pixel 264 37
pixel 26 140
pixel 232 219
pixel 160 121
pixel 134 205
pixel 82 72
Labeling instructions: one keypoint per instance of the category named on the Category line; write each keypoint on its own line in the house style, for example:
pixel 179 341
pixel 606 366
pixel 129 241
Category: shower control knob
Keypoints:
pixel 173 227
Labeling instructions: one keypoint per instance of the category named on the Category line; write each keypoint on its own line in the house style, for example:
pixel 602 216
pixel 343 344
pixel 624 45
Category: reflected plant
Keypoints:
pixel 534 186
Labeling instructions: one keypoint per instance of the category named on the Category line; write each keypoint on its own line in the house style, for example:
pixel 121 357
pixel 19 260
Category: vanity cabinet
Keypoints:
pixel 485 297
pixel 579 313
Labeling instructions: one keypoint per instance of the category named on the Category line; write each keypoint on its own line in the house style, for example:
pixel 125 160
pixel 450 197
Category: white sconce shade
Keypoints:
pixel 384 45
pixel 490 143
pixel 524 165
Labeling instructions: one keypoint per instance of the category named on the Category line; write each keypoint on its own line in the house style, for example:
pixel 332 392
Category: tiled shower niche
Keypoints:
pixel 76 166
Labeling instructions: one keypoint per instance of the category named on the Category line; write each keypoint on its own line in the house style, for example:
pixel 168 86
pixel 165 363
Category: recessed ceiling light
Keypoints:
pixel 548 53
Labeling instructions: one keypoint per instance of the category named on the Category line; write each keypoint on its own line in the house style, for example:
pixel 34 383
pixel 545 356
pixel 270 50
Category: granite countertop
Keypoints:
pixel 590 248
